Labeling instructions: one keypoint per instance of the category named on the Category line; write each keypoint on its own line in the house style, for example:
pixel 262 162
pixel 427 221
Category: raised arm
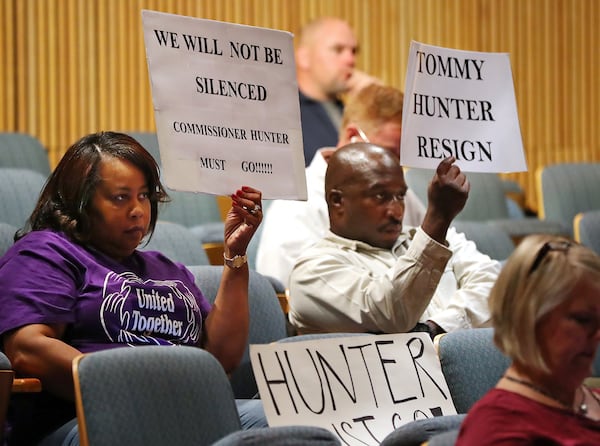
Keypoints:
pixel 447 195
pixel 226 328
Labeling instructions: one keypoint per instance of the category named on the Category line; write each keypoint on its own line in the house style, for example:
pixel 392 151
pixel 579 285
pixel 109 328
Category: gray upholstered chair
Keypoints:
pixel 149 140
pixel 586 226
pixel 566 189
pixel 199 212
pixel 191 209
pixel 487 199
pixel 489 238
pixel 178 243
pixel 7 234
pixel 153 395
pixel 23 151
pixel 281 436
pixel 447 438
pixel 417 432
pixel 20 191
pixel 471 364
pixel 487 203
pixel 267 321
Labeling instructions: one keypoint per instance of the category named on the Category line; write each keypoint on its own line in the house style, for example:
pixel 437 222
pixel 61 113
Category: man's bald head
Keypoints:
pixel 352 162
pixel 364 190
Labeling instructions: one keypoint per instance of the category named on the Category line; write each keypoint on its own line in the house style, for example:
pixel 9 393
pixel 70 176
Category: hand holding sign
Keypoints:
pixel 446 197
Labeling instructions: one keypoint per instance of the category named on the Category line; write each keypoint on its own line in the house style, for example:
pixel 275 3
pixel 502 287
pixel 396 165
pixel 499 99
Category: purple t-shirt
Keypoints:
pixel 146 300
pixel 47 279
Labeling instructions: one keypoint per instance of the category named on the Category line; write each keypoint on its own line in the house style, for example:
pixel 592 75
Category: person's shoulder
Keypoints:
pixel 46 239
pixel 330 244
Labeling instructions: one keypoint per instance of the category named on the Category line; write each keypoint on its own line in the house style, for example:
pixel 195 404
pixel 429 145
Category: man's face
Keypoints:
pixel 332 56
pixel 371 208
pixel 386 135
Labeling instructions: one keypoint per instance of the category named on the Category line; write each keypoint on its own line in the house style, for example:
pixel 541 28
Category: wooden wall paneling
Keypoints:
pixel 8 69
pixel 79 65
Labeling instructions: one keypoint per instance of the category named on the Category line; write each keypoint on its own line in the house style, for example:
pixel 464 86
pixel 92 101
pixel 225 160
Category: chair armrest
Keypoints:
pixel 283 301
pixel 26 385
pixel 436 342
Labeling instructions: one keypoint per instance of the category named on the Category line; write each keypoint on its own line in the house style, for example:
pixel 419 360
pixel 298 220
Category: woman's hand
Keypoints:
pixel 242 220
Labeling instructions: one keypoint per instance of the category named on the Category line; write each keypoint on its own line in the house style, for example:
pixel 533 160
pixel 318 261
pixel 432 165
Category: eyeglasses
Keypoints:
pixel 545 249
pixel 362 134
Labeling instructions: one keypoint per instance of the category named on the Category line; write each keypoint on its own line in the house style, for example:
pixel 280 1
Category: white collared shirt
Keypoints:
pixel 342 285
pixel 289 227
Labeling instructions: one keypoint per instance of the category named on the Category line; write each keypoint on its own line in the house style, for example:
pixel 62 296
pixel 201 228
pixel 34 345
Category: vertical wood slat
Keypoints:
pixel 8 69
pixel 76 66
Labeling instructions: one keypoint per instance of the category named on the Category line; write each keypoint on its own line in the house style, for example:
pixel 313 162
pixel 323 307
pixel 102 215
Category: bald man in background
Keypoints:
pixel 325 70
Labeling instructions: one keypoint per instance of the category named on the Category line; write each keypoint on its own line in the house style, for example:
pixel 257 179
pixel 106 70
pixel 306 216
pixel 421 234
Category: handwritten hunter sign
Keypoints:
pixel 460 103
pixel 359 387
pixel 225 105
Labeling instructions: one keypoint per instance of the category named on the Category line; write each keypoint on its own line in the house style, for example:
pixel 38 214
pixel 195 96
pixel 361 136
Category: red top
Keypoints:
pixel 506 418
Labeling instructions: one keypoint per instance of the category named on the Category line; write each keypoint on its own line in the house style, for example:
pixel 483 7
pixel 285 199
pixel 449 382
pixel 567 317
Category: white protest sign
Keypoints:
pixel 226 106
pixel 460 103
pixel 359 387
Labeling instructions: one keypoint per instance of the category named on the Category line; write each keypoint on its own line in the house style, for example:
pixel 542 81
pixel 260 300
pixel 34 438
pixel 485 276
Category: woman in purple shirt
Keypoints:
pixel 75 282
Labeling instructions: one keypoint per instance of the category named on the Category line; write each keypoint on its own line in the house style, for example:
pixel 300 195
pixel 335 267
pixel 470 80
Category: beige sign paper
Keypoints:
pixel 226 106
pixel 460 103
pixel 359 387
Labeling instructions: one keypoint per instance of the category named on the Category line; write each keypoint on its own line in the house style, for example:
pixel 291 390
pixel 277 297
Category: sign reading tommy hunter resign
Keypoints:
pixel 359 387
pixel 462 104
pixel 226 106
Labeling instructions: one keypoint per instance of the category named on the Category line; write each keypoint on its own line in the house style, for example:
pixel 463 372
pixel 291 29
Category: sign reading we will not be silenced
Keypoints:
pixel 460 103
pixel 359 387
pixel 226 106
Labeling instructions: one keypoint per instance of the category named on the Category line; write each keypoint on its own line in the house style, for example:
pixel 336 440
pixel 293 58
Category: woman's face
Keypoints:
pixel 120 209
pixel 570 333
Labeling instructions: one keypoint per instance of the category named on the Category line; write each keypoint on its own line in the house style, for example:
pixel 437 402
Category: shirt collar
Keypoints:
pixel 355 245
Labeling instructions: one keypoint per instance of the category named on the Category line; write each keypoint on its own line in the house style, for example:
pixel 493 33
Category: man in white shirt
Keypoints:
pixel 289 227
pixel 372 274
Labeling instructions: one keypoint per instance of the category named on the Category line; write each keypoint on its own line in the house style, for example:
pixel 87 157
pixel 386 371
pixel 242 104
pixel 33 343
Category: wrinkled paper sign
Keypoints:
pixel 460 103
pixel 359 387
pixel 226 106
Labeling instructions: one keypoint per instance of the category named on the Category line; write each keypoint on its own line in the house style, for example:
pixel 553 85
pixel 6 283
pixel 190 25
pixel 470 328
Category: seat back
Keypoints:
pixel 7 234
pixel 267 321
pixel 566 189
pixel 190 209
pixel 149 140
pixel 20 191
pixel 153 395
pixel 416 433
pixel 487 199
pixel 471 364
pixel 281 436
pixel 490 239
pixel 487 202
pixel 253 245
pixel 586 227
pixel 23 151
pixel 178 243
